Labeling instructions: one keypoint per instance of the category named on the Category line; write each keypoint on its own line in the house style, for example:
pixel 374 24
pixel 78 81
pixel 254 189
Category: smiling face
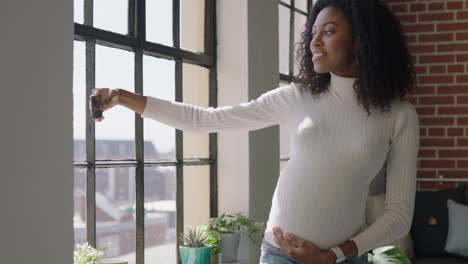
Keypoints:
pixel 331 45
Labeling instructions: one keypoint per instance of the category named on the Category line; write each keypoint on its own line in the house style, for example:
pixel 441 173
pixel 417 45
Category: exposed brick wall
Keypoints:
pixel 437 35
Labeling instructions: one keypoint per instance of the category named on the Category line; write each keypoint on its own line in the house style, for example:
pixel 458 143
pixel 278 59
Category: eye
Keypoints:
pixel 328 32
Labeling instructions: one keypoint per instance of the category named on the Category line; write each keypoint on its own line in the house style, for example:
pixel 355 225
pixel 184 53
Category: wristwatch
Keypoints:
pixel 339 254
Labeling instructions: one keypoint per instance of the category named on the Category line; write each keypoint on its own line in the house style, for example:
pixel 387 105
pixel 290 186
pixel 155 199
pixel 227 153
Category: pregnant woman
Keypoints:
pixel 347 119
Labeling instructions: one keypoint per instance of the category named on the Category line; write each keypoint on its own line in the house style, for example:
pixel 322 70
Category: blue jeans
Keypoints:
pixel 272 255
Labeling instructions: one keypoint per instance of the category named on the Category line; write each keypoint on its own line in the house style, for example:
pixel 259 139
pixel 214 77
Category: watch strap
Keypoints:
pixel 339 254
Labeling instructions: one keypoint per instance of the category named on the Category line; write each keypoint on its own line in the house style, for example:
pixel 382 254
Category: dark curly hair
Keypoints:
pixel 384 71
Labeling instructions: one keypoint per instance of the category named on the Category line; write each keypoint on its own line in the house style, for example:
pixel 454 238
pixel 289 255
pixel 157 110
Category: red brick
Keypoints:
pixel 462 121
pixel 462 100
pixel 410 38
pixel 435 121
pixel 462 78
pixel 454 174
pixel 462 164
pixel 417 7
pixel 421 48
pixel 462 36
pixel 421 69
pixel 399 8
pixel 436 17
pixel 452 26
pixel 436 79
pixel 437 69
pixel 452 89
pixel 427 153
pixel 452 47
pixel 454 110
pixel 436 58
pixel 418 28
pixel 454 132
pixel 462 15
pixel 437 164
pixel 462 57
pixel 425 110
pixel 422 132
pixel 436 100
pixel 436 6
pixel 406 18
pixel 437 142
pixel 453 153
pixel 424 90
pixel 455 5
pixel 462 142
pixel 456 68
pixel 437 186
pixel 436 132
pixel 435 37
pixel 426 174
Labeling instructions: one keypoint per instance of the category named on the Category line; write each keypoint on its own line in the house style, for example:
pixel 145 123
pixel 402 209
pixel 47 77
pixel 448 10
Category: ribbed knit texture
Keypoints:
pixel 336 151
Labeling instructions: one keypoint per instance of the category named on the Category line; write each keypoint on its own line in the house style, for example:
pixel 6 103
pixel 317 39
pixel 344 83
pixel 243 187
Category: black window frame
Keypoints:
pixel 135 41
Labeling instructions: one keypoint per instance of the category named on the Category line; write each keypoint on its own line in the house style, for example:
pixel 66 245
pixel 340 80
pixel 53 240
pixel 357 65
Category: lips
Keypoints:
pixel 318 54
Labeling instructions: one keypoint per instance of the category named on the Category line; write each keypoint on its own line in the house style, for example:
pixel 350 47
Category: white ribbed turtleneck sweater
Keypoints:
pixel 336 151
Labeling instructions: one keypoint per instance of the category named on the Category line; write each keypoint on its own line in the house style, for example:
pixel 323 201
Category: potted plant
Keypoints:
pixel 230 228
pixel 195 248
pixel 388 254
pixel 86 254
pixel 213 240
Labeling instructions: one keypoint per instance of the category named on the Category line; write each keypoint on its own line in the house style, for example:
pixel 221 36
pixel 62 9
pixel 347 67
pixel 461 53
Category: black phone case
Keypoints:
pixel 92 103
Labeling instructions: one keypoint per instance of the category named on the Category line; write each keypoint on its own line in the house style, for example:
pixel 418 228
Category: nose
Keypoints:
pixel 316 41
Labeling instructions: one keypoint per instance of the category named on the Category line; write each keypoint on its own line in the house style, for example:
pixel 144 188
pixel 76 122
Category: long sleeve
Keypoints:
pixel 267 110
pixel 401 170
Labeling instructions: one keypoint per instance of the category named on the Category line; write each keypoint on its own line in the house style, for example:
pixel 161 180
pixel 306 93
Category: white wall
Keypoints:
pixel 36 135
pixel 247 67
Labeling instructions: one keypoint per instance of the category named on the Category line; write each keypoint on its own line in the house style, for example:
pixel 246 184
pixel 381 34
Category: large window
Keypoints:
pixel 139 183
pixel 292 21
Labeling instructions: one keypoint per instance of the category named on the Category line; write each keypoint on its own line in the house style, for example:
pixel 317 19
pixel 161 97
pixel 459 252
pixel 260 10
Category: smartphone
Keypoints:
pixel 92 107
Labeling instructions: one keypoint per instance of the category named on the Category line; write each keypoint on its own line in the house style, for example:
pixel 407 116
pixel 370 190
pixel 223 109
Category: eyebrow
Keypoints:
pixel 329 22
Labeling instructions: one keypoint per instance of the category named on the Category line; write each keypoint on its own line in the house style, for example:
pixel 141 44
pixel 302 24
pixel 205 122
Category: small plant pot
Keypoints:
pixel 216 259
pixel 229 245
pixel 195 255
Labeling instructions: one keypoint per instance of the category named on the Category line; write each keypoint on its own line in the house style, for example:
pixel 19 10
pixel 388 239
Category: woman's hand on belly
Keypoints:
pixel 300 249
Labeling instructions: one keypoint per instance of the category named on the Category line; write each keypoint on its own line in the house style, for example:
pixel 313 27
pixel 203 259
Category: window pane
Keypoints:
pixel 301 4
pixel 284 17
pixel 79 101
pixel 115 135
pixel 196 195
pixel 79 205
pixel 299 26
pixel 111 15
pixel 192 13
pixel 286 1
pixel 196 92
pixel 160 215
pixel 78 11
pixel 159 82
pixel 159 22
pixel 115 212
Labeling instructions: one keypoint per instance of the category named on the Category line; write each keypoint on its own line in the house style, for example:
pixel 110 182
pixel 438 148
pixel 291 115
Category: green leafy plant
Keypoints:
pixel 86 254
pixel 228 223
pixel 388 255
pixel 195 237
pixel 213 239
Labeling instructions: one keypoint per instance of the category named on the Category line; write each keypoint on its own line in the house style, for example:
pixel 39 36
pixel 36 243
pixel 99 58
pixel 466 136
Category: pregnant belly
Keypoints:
pixel 323 213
